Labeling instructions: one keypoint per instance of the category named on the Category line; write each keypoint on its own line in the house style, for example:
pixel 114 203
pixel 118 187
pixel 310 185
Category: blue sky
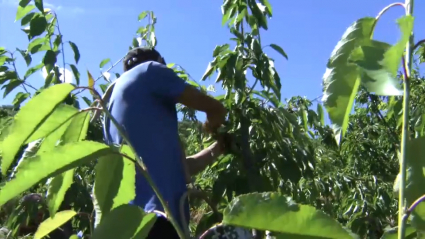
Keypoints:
pixel 188 31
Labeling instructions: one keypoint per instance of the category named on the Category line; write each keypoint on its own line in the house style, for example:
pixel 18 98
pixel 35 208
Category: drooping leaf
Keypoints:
pixel 50 224
pixel 39 5
pixel 75 132
pixel 76 52
pixel 131 220
pixel 49 60
pixel 46 164
pixel 76 73
pixel 29 117
pixel 38 25
pixel 13 84
pixel 341 79
pixel 115 181
pixel 279 49
pixel 393 56
pixel 274 212
pixel 374 76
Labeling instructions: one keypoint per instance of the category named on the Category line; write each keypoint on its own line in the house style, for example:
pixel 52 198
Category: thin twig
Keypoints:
pixel 412 207
pixel 418 44
pixel 98 78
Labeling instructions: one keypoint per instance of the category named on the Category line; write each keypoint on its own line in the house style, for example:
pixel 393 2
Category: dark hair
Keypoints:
pixel 140 55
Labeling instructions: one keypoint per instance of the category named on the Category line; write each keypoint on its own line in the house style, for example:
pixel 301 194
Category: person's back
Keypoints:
pixel 143 103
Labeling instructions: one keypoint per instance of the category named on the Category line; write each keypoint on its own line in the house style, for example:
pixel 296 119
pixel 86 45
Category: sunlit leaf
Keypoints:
pixel 341 80
pixel 131 220
pixel 28 119
pixel 76 131
pixel 273 212
pixel 46 164
pixel 50 224
pixel 374 76
pixel 114 181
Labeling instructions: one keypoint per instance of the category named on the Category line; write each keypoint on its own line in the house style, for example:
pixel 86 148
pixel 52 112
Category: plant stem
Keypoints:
pixel 142 166
pixel 405 133
pixel 386 9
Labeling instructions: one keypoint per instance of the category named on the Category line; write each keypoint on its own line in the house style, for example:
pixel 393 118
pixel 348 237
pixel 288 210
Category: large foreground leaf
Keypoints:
pixel 50 224
pixel 124 222
pixel 59 185
pixel 274 212
pixel 115 181
pixel 375 76
pixel 341 79
pixel 415 180
pixel 51 163
pixel 28 119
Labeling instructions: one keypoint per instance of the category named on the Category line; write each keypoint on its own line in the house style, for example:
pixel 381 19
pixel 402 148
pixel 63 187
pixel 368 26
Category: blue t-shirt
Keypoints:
pixel 144 103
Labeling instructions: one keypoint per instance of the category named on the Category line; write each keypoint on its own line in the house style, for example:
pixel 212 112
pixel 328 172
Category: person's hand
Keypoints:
pixel 215 120
pixel 224 142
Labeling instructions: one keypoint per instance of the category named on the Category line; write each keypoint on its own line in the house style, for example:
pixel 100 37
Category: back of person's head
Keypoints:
pixel 140 55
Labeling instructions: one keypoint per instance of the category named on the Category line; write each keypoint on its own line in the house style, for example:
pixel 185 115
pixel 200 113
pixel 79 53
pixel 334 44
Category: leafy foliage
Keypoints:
pixel 288 172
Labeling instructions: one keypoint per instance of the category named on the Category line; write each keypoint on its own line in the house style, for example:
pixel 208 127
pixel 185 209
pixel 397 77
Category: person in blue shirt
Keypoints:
pixel 143 101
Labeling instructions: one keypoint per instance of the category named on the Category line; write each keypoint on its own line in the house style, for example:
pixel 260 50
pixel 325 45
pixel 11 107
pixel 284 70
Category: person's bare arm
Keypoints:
pixel 198 162
pixel 195 99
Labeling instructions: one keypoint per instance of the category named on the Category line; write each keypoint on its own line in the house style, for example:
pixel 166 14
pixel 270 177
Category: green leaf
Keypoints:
pixel 374 76
pixel 39 5
pixel 75 132
pixel 393 56
pixel 76 73
pixel 142 15
pixel 341 80
pixel 268 6
pixel 114 182
pixel 273 212
pixel 46 164
pixel 38 25
pixel 29 117
pixel 104 62
pixel 22 11
pixel 49 60
pixel 321 114
pixel 76 52
pixel 32 70
pixel 131 221
pixel 11 86
pixel 279 49
pixel 27 19
pixel 19 98
pixel 25 55
pixel 50 224
pixel 38 44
